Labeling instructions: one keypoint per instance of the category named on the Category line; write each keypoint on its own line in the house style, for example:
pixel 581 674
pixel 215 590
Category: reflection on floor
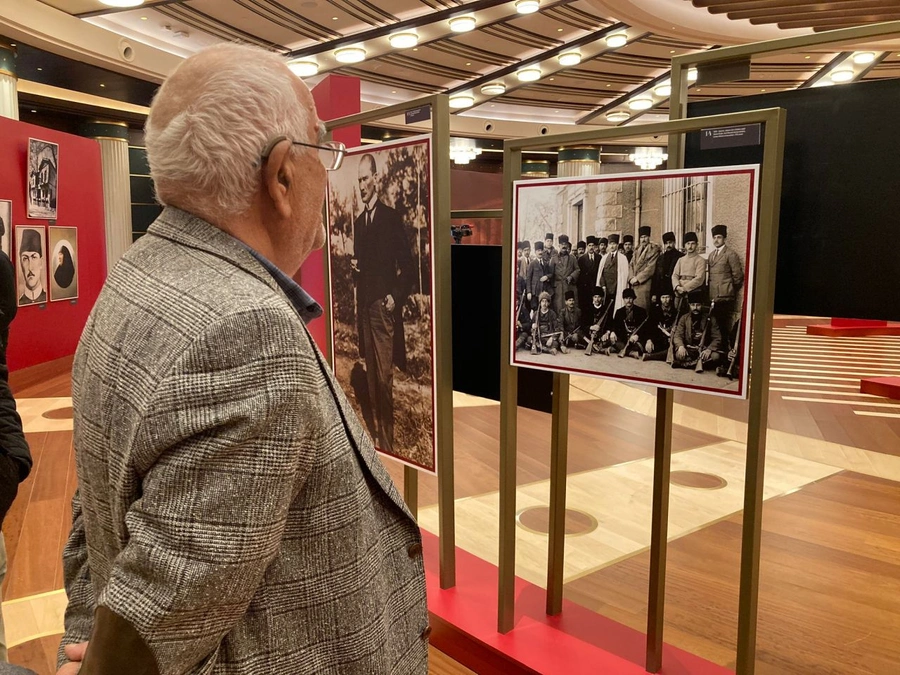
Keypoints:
pixel 830 570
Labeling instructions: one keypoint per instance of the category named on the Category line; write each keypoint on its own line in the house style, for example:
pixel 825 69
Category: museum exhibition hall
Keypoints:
pixel 619 322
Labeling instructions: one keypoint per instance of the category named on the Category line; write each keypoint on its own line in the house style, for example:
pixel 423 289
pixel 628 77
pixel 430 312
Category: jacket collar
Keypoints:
pixel 187 229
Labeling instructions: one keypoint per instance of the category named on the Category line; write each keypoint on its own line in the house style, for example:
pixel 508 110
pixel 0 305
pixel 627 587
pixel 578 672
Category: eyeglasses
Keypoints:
pixel 331 153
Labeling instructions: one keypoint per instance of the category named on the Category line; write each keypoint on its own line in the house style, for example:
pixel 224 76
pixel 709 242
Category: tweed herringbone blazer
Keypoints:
pixel 231 514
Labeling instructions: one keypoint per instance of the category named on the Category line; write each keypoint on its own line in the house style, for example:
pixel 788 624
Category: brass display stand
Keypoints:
pixel 440 163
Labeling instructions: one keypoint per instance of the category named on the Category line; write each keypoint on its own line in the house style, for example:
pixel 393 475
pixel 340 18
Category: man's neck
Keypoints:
pixel 33 294
pixel 370 205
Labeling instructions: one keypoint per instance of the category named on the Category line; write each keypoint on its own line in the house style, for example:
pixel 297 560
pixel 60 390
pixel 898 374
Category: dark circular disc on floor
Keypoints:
pixel 537 519
pixel 59 413
pixel 696 479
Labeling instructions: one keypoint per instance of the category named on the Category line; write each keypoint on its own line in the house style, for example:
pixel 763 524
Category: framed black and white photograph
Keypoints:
pixel 63 247
pixel 6 226
pixel 31 266
pixel 662 291
pixel 42 179
pixel 380 243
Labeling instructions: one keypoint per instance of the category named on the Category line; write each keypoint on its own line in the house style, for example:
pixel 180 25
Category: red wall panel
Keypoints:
pixel 45 332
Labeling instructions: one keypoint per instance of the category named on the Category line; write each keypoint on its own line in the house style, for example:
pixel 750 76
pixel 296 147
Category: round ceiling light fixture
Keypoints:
pixel 569 58
pixel 664 90
pixel 617 116
pixel 841 75
pixel 640 103
pixel 529 74
pixel 617 40
pixel 862 58
pixel 304 68
pixel 493 89
pixel 462 101
pixel 692 74
pixel 527 6
pixel 122 3
pixel 350 54
pixel 462 24
pixel 404 40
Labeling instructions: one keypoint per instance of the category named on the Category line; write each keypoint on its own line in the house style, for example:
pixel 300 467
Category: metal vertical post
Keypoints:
pixel 506 572
pixel 758 416
pixel 559 446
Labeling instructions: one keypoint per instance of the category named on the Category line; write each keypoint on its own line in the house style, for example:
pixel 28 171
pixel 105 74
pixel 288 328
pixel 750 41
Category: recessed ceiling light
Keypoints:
pixel 493 89
pixel 617 40
pixel 559 30
pixel 692 75
pixel 468 63
pixel 640 103
pixel 334 18
pixel 462 101
pixel 462 24
pixel 671 51
pixel 863 58
pixel 527 6
pixel 304 68
pixel 664 89
pixel 762 89
pixel 842 75
pixel 617 116
pixel 551 79
pixel 143 18
pixel 806 57
pixel 34 111
pixel 529 74
pixel 102 85
pixel 40 68
pixel 350 54
pixel 572 58
pixel 121 3
pixel 403 40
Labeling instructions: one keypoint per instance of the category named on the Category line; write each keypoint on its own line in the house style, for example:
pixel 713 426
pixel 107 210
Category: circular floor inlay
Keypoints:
pixel 696 479
pixel 59 413
pixel 536 519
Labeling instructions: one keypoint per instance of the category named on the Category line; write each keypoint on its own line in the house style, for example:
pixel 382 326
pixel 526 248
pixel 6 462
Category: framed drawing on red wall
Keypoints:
pixel 43 179
pixel 63 247
pixel 31 281
pixel 5 225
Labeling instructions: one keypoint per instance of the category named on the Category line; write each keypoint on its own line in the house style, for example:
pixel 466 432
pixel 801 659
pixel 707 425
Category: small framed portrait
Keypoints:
pixel 5 225
pixel 31 275
pixel 63 247
pixel 43 179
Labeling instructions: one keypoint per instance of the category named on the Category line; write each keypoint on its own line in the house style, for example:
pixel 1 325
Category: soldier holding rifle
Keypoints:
pixel 697 340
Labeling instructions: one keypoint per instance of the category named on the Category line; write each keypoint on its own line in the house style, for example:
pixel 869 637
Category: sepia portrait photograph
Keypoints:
pixel 6 226
pixel 643 277
pixel 43 179
pixel 31 282
pixel 380 243
pixel 63 247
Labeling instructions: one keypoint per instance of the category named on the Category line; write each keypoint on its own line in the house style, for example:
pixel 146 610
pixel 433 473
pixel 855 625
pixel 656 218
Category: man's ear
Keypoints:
pixel 278 176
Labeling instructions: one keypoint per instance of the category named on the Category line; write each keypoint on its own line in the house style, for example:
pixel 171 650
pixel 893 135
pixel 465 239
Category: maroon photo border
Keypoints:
pixel 749 266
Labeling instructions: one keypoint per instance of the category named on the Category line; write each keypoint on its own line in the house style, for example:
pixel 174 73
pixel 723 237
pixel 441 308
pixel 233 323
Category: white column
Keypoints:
pixel 113 140
pixel 580 160
pixel 9 97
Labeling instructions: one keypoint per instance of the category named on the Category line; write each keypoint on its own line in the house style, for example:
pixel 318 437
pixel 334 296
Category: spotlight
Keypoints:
pixel 527 6
pixel 350 54
pixel 617 116
pixel 617 40
pixel 863 58
pixel 462 101
pixel 493 89
pixel 462 24
pixel 842 75
pixel 640 103
pixel 529 74
pixel 664 90
pixel 403 40
pixel 569 58
pixel 304 68
pixel 122 3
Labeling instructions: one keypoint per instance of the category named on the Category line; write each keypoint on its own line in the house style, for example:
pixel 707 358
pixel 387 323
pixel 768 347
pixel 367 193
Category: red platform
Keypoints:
pixel 854 328
pixel 889 387
pixel 577 642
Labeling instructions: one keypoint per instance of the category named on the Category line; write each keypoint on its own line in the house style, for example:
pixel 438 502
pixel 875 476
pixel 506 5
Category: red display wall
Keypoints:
pixel 45 332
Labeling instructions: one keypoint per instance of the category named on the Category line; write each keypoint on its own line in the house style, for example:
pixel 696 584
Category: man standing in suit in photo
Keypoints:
pixel 383 279
pixel 665 266
pixel 643 267
pixel 614 273
pixel 588 264
pixel 231 514
pixel 726 279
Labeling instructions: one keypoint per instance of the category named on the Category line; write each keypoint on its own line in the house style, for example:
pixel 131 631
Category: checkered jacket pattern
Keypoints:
pixel 230 506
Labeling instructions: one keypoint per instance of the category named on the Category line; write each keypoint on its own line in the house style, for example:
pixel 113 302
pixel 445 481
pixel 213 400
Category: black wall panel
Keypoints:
pixel 840 207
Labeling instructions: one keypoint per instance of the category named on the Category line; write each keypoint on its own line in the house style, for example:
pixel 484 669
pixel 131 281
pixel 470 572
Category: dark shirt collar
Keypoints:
pixel 303 302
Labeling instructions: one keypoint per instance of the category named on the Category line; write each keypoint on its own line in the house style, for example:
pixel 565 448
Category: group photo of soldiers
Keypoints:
pixel 648 305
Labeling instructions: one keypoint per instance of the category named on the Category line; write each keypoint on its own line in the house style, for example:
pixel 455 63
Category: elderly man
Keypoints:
pixel 643 267
pixel 231 515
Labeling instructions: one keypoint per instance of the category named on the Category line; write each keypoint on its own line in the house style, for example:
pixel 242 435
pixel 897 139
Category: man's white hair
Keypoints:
pixel 209 152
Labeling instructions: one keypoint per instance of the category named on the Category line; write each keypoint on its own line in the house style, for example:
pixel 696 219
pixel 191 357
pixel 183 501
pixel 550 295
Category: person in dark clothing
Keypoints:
pixel 693 340
pixel 547 330
pixel 15 458
pixel 540 275
pixel 588 264
pixel 65 268
pixel 665 266
pixel 627 325
pixel 659 327
pixel 570 322
pixel 628 246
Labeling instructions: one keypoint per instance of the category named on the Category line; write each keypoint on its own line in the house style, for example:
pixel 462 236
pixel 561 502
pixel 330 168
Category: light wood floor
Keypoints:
pixel 830 572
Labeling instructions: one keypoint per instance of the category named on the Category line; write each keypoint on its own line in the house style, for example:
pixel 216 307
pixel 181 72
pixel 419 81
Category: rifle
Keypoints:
pixel 599 331
pixel 709 319
pixel 670 355
pixel 737 351
pixel 630 335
